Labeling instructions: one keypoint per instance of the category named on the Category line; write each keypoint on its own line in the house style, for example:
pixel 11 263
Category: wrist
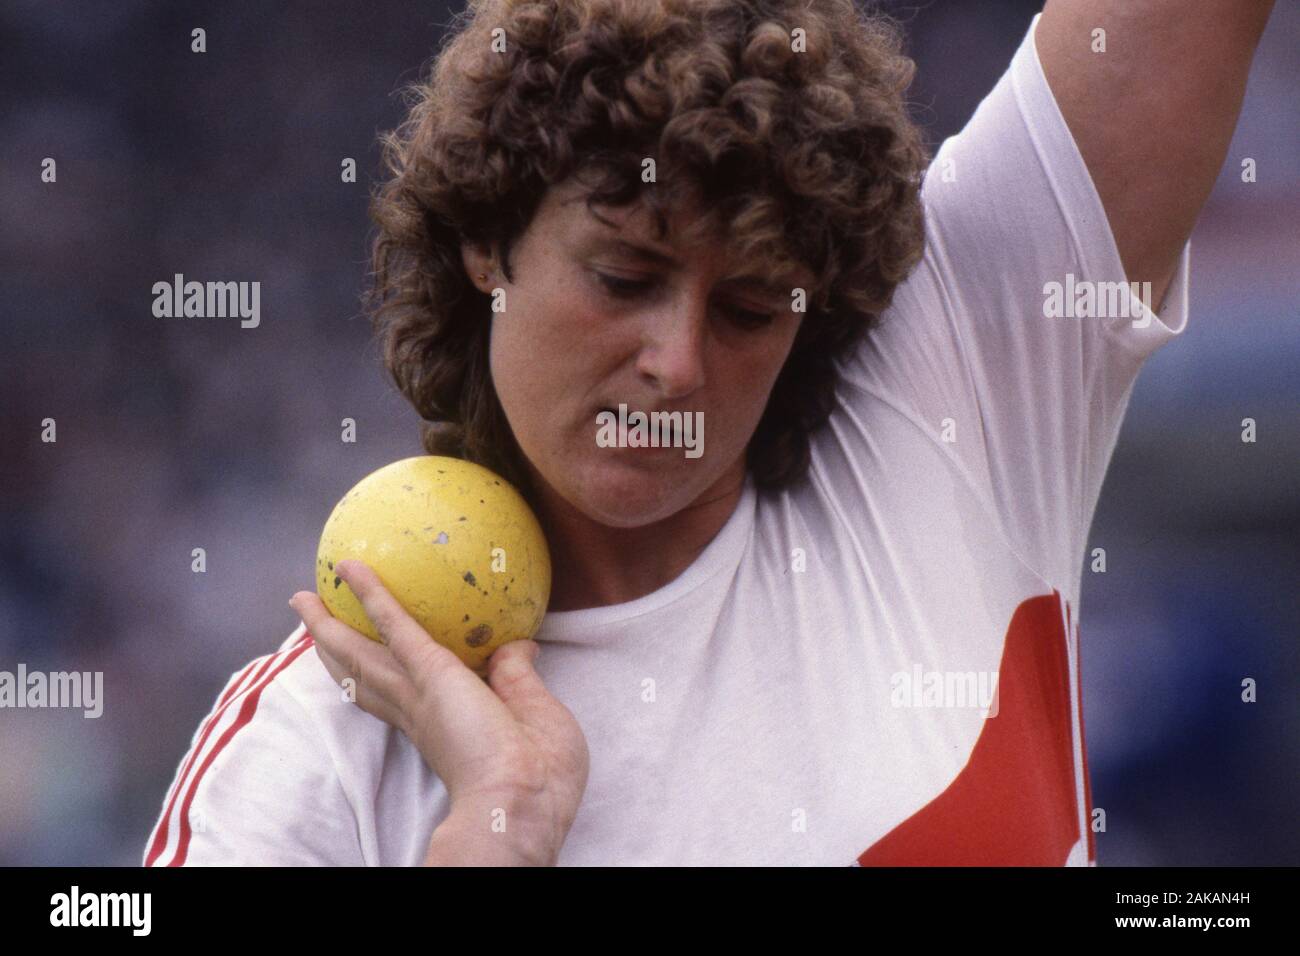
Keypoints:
pixel 486 831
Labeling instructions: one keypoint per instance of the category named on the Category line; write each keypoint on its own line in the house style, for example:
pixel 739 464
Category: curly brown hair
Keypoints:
pixel 797 143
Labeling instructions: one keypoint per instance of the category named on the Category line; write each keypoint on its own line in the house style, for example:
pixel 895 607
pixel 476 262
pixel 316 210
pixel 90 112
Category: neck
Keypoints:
pixel 594 565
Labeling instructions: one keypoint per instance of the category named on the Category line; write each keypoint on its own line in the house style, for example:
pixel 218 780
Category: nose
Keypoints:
pixel 672 358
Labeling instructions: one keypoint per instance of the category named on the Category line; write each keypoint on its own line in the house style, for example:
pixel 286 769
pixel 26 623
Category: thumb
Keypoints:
pixel 515 680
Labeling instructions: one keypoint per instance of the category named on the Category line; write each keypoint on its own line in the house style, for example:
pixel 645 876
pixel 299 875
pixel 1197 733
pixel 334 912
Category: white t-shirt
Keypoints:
pixel 796 695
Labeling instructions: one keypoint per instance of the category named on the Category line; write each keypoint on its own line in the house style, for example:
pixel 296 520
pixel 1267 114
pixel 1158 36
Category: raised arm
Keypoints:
pixel 1152 115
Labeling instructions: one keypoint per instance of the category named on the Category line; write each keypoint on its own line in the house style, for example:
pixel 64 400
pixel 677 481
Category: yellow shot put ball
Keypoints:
pixel 453 542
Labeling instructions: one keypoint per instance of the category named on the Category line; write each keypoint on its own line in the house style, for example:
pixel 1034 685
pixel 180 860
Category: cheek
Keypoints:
pixel 538 378
pixel 543 341
pixel 503 361
pixel 751 384
pixel 518 383
pixel 522 354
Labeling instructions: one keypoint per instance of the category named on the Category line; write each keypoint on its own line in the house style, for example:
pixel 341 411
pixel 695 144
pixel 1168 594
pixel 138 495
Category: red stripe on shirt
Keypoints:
pixel 235 689
pixel 160 835
pixel 246 712
pixel 236 686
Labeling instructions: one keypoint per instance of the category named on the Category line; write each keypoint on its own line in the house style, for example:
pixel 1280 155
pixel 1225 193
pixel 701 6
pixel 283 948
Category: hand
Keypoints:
pixel 506 744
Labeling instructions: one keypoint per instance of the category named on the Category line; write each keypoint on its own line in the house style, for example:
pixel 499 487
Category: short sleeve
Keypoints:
pixel 258 786
pixel 1015 343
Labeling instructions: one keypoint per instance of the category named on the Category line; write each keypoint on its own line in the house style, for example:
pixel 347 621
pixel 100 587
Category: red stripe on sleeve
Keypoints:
pixel 246 712
pixel 160 835
pixel 235 686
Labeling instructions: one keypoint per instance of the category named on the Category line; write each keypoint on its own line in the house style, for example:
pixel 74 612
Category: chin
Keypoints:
pixel 625 496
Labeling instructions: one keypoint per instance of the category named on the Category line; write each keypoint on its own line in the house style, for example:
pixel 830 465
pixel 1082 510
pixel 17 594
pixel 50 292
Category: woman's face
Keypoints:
pixel 592 321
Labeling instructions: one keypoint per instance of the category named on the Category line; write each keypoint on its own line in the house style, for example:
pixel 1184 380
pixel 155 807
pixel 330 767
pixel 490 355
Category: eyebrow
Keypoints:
pixel 760 283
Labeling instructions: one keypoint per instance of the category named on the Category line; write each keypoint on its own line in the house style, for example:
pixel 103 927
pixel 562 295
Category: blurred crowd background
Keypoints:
pixel 177 434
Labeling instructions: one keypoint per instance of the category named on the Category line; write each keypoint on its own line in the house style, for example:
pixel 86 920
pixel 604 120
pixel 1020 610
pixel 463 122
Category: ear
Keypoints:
pixel 478 260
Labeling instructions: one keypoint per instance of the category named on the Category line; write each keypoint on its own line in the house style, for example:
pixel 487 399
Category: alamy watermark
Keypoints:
pixel 1083 299
pixel 130 910
pixel 962 689
pixel 209 300
pixel 653 430
pixel 74 689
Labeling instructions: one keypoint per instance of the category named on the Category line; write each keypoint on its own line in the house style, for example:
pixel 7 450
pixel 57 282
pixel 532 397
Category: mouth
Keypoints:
pixel 613 410
pixel 676 442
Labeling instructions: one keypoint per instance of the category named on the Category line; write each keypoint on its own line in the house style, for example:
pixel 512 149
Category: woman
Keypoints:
pixel 847 631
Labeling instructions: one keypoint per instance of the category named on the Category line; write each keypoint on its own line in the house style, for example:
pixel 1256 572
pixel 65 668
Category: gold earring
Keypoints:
pixel 482 277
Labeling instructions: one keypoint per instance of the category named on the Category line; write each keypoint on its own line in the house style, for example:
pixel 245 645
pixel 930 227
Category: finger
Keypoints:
pixel 361 658
pixel 459 719
pixel 359 693
pixel 410 644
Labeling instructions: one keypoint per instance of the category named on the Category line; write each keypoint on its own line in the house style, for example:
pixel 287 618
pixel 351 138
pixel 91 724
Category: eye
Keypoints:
pixel 622 288
pixel 747 319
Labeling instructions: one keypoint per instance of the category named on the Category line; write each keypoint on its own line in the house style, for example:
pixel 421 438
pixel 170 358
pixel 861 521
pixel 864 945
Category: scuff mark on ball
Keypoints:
pixel 479 636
